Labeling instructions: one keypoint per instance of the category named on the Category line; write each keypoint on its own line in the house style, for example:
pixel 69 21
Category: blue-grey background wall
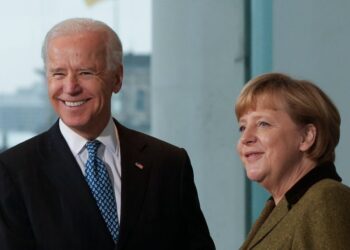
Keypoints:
pixel 198 70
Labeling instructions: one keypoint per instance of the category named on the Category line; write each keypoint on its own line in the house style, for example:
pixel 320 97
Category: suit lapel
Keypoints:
pixel 63 170
pixel 259 222
pixel 135 174
pixel 270 222
pixel 62 166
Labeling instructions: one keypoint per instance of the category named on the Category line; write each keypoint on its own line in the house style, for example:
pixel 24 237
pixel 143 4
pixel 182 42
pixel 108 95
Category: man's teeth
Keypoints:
pixel 74 104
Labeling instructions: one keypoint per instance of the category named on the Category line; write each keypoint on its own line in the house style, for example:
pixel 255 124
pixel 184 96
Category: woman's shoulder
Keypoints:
pixel 328 193
pixel 329 187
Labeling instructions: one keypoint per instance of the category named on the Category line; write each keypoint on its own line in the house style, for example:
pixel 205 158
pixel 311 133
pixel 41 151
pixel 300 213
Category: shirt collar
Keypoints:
pixel 320 172
pixel 108 137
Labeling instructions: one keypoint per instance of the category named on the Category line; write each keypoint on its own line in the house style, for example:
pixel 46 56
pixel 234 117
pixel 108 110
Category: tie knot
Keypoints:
pixel 92 147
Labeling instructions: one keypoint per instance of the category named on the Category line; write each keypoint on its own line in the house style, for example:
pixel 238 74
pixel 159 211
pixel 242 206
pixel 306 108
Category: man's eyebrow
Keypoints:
pixel 87 68
pixel 56 69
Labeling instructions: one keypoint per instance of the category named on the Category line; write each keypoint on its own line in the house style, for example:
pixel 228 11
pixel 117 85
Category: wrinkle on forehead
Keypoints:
pixel 78 49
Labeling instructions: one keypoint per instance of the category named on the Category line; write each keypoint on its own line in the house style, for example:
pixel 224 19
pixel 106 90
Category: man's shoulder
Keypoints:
pixel 142 138
pixel 22 150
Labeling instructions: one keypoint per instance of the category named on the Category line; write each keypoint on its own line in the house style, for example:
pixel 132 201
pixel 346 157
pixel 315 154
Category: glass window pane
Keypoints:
pixel 24 106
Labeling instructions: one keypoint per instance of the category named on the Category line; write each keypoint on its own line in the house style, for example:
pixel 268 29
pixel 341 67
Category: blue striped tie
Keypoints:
pixel 97 177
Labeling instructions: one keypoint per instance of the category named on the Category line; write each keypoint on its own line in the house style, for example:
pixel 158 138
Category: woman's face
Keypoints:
pixel 269 146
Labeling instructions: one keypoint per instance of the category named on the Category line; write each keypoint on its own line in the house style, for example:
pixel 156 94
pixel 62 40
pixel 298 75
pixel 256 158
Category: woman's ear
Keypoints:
pixel 308 137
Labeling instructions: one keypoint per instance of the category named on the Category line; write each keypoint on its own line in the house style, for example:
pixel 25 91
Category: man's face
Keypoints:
pixel 80 85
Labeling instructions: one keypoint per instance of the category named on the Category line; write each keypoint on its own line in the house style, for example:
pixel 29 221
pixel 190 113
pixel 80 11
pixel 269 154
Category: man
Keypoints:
pixel 88 182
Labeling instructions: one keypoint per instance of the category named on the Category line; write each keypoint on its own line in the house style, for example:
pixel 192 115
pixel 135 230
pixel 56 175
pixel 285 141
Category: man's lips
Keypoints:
pixel 74 103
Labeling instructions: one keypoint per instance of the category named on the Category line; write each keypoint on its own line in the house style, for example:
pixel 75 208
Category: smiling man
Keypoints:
pixel 88 182
pixel 80 80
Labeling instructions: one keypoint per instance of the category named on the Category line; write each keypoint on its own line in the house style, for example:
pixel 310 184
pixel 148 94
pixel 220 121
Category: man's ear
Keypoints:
pixel 308 137
pixel 119 74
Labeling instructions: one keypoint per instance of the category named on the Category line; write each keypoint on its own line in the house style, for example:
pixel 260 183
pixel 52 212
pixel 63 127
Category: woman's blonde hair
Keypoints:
pixel 303 101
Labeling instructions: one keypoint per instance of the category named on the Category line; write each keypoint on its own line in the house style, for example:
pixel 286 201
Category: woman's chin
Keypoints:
pixel 254 175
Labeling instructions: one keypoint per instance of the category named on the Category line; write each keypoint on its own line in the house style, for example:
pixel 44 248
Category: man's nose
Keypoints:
pixel 72 85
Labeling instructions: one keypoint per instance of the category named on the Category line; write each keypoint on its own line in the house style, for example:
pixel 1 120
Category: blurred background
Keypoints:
pixel 185 63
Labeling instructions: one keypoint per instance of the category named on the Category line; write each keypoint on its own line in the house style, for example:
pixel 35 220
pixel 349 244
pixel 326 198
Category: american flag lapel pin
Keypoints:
pixel 139 165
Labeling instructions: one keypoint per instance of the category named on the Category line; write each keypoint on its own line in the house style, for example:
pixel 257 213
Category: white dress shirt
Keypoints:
pixel 108 152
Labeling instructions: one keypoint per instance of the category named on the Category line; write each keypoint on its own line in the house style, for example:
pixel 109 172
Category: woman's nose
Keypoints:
pixel 248 137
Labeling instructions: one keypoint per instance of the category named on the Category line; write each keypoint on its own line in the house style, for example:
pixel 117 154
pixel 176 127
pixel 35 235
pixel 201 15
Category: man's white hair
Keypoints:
pixel 78 25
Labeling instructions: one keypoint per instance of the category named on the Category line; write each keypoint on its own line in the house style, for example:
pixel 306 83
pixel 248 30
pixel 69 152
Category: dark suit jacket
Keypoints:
pixel 45 202
pixel 314 215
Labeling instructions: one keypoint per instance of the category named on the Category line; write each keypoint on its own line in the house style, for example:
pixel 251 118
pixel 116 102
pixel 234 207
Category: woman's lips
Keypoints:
pixel 254 155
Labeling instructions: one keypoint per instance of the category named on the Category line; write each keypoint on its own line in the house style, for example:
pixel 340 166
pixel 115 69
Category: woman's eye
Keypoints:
pixel 241 128
pixel 263 124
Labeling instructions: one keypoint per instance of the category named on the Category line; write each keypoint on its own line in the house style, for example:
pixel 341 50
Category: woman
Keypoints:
pixel 289 131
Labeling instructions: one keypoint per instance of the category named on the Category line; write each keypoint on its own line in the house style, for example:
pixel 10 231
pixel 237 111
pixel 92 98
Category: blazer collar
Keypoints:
pixel 62 166
pixel 320 172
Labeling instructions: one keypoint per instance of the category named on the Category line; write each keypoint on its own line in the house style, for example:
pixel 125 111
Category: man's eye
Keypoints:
pixel 57 74
pixel 85 73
